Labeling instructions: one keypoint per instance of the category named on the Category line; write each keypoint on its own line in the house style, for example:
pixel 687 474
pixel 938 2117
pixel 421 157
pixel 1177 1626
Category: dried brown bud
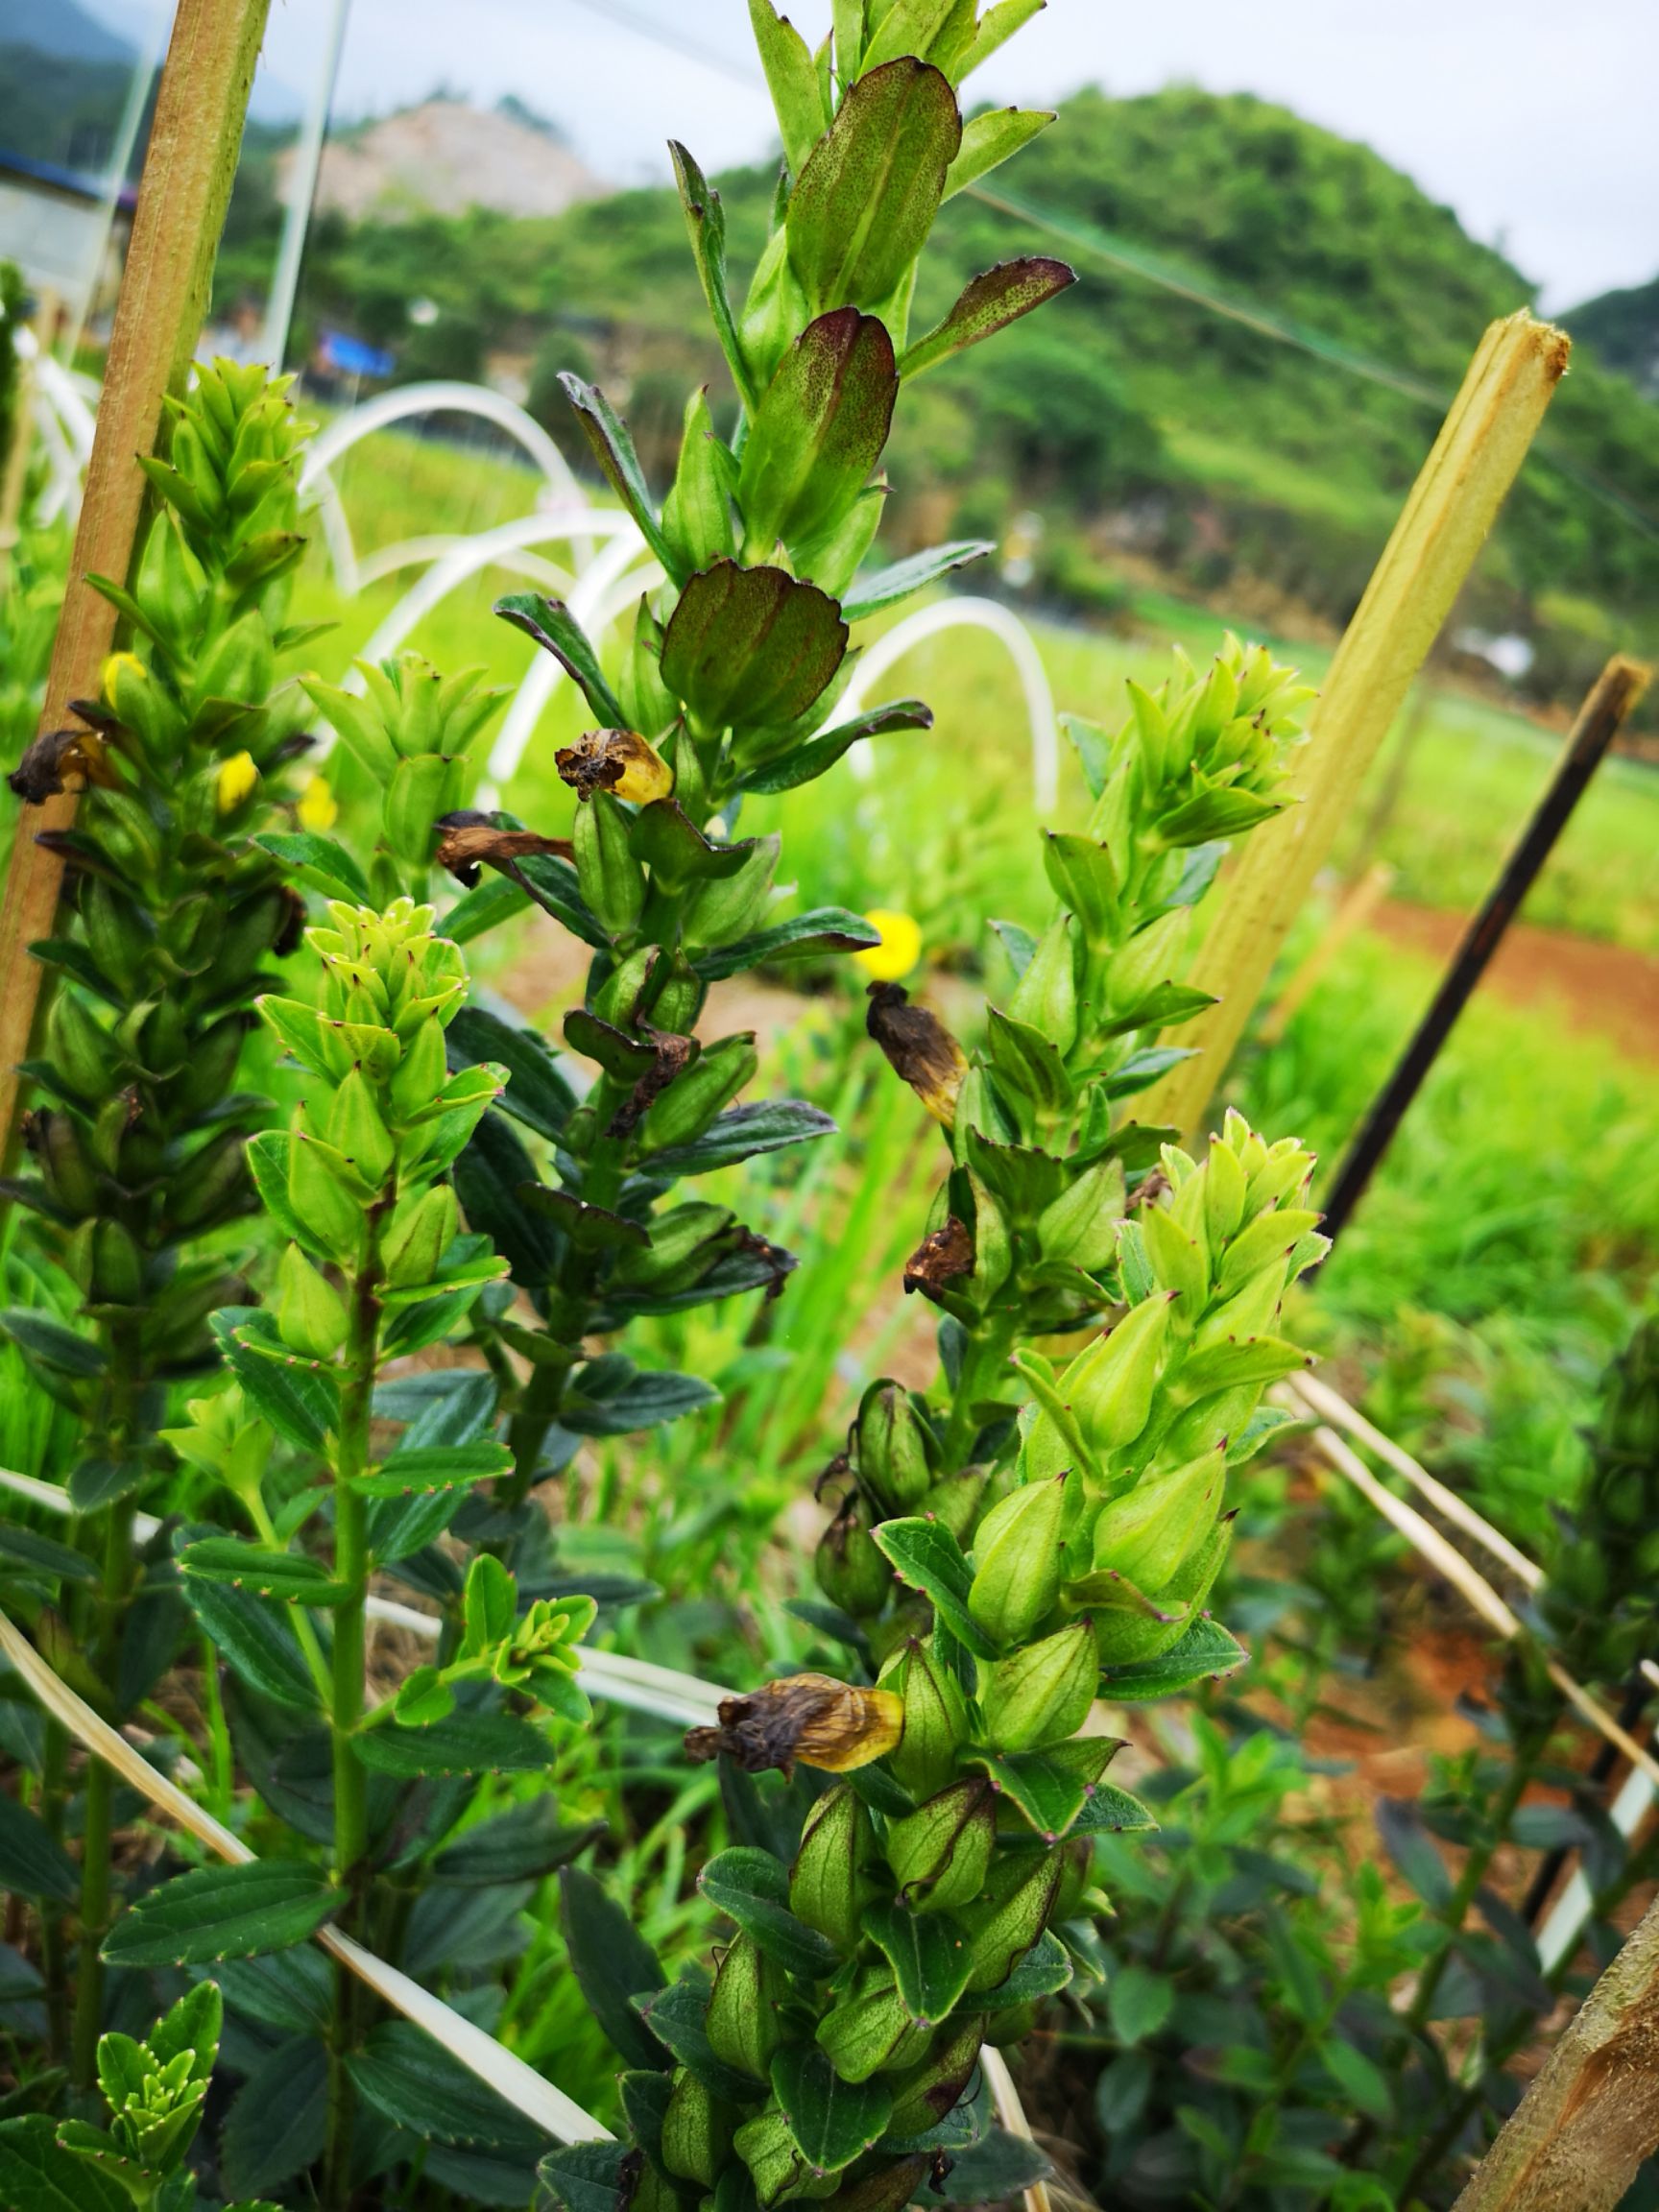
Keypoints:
pixel 810 1718
pixel 470 841
pixel 617 761
pixel 920 1047
pixel 941 1258
pixel 60 759
pixel 672 1054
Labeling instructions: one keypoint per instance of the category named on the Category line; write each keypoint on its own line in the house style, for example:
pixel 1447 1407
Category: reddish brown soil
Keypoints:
pixel 1603 989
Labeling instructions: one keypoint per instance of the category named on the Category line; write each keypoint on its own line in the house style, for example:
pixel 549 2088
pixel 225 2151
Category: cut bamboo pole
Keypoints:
pixel 1442 527
pixel 1575 2140
pixel 183 196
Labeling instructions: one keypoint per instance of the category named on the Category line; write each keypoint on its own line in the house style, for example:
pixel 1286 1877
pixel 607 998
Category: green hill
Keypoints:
pixel 1265 449
pixel 1624 329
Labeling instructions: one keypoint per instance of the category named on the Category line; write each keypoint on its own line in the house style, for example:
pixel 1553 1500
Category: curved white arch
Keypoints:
pixel 438 398
pixel 988 615
pixel 419 552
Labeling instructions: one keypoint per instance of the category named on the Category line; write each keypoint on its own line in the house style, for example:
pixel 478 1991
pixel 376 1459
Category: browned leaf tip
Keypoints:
pixel 470 841
pixel 942 1256
pixel 921 1051
pixel 61 760
pixel 809 1718
pixel 615 761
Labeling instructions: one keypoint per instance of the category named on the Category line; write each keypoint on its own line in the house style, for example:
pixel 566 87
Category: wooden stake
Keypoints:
pixel 1442 527
pixel 183 196
pixel 1575 2140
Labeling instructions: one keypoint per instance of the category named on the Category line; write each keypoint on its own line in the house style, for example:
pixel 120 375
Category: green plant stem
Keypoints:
pixel 53 1940
pixel 1521 1771
pixel 346 1673
pixel 98 1840
pixel 984 1358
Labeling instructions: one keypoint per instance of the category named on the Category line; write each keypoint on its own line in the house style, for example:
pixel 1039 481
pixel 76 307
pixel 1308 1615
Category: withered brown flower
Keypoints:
pixel 809 1718
pixel 469 841
pixel 919 1047
pixel 615 761
pixel 60 759
pixel 941 1258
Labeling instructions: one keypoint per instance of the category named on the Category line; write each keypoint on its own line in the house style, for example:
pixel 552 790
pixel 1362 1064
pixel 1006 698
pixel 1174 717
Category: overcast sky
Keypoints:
pixel 1528 118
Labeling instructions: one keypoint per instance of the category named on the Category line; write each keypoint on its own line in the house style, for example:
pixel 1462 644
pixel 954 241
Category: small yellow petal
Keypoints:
pixel 113 668
pixel 900 948
pixel 318 810
pixel 236 781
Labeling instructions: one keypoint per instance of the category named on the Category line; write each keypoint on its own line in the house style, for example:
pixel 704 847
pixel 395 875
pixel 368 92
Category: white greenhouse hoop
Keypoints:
pixel 988 615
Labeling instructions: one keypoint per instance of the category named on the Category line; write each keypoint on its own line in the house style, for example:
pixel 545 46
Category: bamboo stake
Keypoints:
pixel 1575 2140
pixel 504 2071
pixel 183 196
pixel 1445 520
pixel 1011 2114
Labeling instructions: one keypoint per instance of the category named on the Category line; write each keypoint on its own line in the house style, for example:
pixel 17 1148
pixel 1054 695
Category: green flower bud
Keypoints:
pixel 1046 994
pixel 693 1100
pixel 1147 1532
pixel 1002 1931
pixel 237 666
pixel 1225 1187
pixel 612 882
pixel 742 2016
pixel 894 1449
pixel 69 1174
pixel 117 1266
pixel 420 1234
pixel 940 1854
pixel 1109 1386
pixel 79 1047
pixel 214 1182
pixel 935 1720
pixel 871 2031
pixel 421 1071
pixel 685 1244
pixel 1269 1237
pixel 934 2087
pixel 356 1131
pixel 1041 1694
pixel 419 791
pixel 1151 956
pixel 696 2130
pixel 775 2164
pixel 828 1885
pixel 954 1501
pixel 310 1313
pixel 851 1571
pixel 211 1069
pixel 725 907
pixel 679 999
pixel 1251 1310
pixel 1178 1263
pixel 1081 1225
pixel 1020 1561
pixel 318 1198
pixel 621 998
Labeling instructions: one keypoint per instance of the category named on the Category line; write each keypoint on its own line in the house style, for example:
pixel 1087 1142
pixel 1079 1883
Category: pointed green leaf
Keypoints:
pixel 742 1132
pixel 552 625
pixel 412 2081
pixel 753 1889
pixel 464 1743
pixel 263 1572
pixel 751 648
pixel 612 1963
pixel 887 587
pixel 831 2121
pixel 991 139
pixel 820 429
pixel 792 81
pixel 926 1556
pixel 989 303
pixel 321 860
pixel 613 448
pixel 36 2174
pixel 805 763
pixel 224 1913
pixel 32 1863
pixel 928 1952
pixel 705 220
pixel 1204 1652
pixel 826 930
pixel 866 199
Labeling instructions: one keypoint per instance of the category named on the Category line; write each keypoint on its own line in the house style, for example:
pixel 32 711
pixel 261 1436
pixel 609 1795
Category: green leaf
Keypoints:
pixel 538 1092
pixel 518 1845
pixel 253 1636
pixel 1043 1970
pixel 44 1555
pixel 32 1862
pixel 990 140
pixel 825 929
pixel 464 1743
pixel 1138 2002
pixel 1251 1359
pixel 676 2016
pixel 37 2176
pixel 641 1401
pixel 490 903
pixel 585 2177
pixel 989 303
pixel 43 1339
pixel 1204 1652
pixel 412 2081
pixel 993 2171
pixel 277 2124
pixel 552 625
pixel 1112 1811
pixel 885 588
pixel 301 1402
pixel 613 448
pixel 751 648
pixel 97 1482
pixel 1363 2083
pixel 1413 1851
pixel 792 81
pixel 224 1913
pixel 742 1132
pixel 1028 1062
pixel 267 1574
pixel 1049 1788
pixel 614 1964
pixel 321 860
pixel 820 429
pixel 831 2121
pixel 589 1228
pixel 752 1888
pixel 706 222
pixel 805 763
pixel 490 1178
pixel 926 1556
pixel 929 1953
pixel 865 201
pixel 289 1991
pixel 434 1467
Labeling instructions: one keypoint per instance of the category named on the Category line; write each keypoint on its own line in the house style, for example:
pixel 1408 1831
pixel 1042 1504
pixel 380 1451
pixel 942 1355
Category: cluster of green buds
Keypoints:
pixel 138 1152
pixel 534 1653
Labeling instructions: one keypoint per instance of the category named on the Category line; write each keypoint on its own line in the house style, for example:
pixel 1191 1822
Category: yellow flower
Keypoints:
pixel 112 676
pixel 900 948
pixel 318 810
pixel 236 781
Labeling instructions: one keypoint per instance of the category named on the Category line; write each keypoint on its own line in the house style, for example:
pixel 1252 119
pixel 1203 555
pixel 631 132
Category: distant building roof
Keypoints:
pixel 447 156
